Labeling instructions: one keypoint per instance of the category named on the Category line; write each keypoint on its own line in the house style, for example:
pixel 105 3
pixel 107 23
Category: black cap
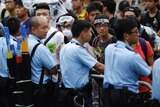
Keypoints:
pixel 132 9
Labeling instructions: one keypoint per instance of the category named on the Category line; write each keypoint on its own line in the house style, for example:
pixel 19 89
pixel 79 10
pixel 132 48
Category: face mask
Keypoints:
pixel 67 33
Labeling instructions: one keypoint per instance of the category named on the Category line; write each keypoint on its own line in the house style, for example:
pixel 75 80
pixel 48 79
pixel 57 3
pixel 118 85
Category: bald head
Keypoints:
pixel 39 26
pixel 35 21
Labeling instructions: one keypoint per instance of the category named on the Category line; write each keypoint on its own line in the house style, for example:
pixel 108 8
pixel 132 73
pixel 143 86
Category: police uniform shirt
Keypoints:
pixel 42 58
pixel 75 63
pixel 156 80
pixel 123 67
pixel 14 39
pixel 3 61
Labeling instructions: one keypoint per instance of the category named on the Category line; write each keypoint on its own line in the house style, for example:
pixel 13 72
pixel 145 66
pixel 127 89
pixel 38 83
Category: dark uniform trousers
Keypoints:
pixel 69 97
pixel 5 93
pixel 152 103
pixel 121 98
pixel 43 96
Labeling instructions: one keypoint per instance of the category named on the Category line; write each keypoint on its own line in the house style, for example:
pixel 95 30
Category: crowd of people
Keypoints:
pixel 117 39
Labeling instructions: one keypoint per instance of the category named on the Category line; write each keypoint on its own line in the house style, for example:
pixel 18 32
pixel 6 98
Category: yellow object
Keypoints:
pixel 82 15
pixel 24 45
pixel 9 55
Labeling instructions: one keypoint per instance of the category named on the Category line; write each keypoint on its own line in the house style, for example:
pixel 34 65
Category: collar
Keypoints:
pixel 13 38
pixel 124 45
pixel 35 38
pixel 76 42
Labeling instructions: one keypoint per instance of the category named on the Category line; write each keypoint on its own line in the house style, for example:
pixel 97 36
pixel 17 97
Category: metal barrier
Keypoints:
pixel 140 82
pixel 101 77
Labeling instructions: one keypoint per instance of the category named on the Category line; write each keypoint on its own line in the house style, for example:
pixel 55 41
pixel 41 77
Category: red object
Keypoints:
pixel 18 59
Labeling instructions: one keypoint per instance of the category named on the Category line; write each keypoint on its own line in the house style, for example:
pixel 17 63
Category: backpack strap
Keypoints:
pixel 144 48
pixel 42 73
pixel 34 49
pixel 46 41
pixel 3 13
pixel 95 41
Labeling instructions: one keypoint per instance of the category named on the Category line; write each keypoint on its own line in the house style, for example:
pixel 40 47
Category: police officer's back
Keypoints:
pixel 41 59
pixel 75 61
pixel 5 98
pixel 123 67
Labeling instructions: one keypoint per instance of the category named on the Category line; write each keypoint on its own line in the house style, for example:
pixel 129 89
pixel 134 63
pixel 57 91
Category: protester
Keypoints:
pixel 10 7
pixel 104 38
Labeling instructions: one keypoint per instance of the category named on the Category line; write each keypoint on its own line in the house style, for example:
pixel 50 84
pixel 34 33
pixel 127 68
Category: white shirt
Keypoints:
pixel 54 45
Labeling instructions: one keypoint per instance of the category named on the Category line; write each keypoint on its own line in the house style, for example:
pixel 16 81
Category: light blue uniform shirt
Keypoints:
pixel 156 80
pixel 75 63
pixel 123 66
pixel 3 61
pixel 42 58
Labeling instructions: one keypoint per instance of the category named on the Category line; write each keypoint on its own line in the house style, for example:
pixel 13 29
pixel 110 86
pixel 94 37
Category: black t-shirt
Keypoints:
pixel 100 46
pixel 153 22
pixel 4 20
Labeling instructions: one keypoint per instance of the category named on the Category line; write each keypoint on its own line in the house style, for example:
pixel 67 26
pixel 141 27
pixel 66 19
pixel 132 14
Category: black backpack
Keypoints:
pixel 145 36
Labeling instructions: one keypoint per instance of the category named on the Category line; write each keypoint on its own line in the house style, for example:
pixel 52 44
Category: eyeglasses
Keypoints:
pixel 98 26
pixel 135 32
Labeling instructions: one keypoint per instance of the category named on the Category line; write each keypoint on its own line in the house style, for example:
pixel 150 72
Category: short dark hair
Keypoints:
pixel 110 4
pixel 14 1
pixel 79 26
pixel 19 2
pixel 13 24
pixel 42 6
pixel 122 5
pixel 122 26
pixel 155 1
pixel 94 6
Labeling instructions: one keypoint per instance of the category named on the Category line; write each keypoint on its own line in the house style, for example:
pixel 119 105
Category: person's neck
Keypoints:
pixel 79 10
pixel 105 37
pixel 110 15
pixel 12 13
pixel 80 41
pixel 86 2
pixel 16 35
pixel 24 18
pixel 153 11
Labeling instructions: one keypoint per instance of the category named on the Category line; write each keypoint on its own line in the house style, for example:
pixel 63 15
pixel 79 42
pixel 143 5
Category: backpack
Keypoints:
pixel 145 36
pixel 144 47
pixel 21 84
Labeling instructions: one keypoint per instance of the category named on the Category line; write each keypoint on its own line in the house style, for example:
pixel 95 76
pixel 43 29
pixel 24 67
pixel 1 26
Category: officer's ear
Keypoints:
pixel 81 35
pixel 33 30
pixel 126 36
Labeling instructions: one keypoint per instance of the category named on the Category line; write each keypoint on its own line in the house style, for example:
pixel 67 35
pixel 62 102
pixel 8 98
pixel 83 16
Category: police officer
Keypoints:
pixel 123 67
pixel 13 24
pixel 75 62
pixel 5 100
pixel 155 82
pixel 42 58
